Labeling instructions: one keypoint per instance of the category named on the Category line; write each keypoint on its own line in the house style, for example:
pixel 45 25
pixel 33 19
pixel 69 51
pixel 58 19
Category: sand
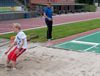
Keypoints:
pixel 44 61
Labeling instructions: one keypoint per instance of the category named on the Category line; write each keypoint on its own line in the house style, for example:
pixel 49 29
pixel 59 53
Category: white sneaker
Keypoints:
pixel 49 40
pixel 14 69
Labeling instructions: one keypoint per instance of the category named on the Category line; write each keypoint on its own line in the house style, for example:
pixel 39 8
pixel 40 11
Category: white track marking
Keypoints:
pixel 83 42
pixel 87 35
pixel 78 39
pixel 91 47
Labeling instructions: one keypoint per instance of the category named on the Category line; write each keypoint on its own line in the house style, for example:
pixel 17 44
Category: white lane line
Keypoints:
pixel 83 42
pixel 77 39
pixel 87 35
pixel 91 47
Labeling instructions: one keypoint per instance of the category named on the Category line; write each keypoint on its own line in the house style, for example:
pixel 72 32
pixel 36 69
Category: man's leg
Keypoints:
pixel 49 30
pixel 47 23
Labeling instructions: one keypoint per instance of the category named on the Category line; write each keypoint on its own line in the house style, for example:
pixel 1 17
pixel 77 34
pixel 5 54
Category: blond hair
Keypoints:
pixel 17 25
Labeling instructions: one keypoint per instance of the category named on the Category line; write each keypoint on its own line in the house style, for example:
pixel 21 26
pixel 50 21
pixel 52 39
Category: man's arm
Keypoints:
pixel 47 17
pixel 45 11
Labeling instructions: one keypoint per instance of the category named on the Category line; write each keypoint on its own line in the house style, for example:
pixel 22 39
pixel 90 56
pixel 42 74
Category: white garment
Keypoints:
pixel 19 37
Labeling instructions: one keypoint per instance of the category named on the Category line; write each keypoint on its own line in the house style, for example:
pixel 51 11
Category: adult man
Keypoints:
pixel 48 12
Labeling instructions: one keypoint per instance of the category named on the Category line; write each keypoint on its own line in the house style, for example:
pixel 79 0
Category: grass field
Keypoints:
pixel 5 9
pixel 61 31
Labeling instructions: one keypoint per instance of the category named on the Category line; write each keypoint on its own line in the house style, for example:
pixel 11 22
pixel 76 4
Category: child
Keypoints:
pixel 20 44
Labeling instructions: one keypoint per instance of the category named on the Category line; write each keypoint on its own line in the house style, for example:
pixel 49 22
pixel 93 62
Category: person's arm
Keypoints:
pixel 47 17
pixel 12 45
pixel 45 11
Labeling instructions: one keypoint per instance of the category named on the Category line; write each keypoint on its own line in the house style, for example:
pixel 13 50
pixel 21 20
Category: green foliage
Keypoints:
pixel 85 1
pixel 90 8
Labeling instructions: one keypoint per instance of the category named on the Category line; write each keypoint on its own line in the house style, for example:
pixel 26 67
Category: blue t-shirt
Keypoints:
pixel 48 11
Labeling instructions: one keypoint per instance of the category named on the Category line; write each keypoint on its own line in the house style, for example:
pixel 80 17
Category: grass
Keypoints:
pixel 5 9
pixel 61 31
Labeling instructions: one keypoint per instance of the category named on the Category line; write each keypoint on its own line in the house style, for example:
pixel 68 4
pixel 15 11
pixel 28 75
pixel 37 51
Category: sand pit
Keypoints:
pixel 43 61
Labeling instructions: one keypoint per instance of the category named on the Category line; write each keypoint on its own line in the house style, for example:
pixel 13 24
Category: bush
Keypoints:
pixel 90 8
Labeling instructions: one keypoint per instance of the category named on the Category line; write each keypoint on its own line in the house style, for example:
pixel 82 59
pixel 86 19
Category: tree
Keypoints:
pixel 85 1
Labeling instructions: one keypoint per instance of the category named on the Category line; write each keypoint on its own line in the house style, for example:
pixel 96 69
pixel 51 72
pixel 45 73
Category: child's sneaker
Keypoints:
pixel 14 69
